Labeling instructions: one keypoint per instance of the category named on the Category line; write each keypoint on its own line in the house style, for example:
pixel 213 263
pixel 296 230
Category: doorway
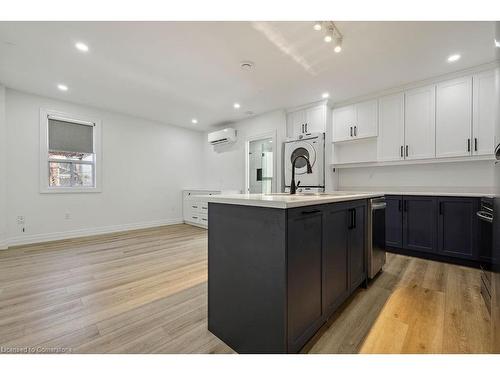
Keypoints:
pixel 260 166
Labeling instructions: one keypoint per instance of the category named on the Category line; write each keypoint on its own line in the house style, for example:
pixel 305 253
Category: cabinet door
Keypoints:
pixel 454 118
pixel 394 221
pixel 304 257
pixel 483 123
pixel 457 227
pixel 296 123
pixel 366 119
pixel 335 243
pixel 344 119
pixel 315 119
pixel 357 247
pixel 420 223
pixel 390 140
pixel 420 123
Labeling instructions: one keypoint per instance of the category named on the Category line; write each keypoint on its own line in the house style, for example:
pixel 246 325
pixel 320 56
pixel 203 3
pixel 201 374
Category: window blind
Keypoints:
pixel 70 137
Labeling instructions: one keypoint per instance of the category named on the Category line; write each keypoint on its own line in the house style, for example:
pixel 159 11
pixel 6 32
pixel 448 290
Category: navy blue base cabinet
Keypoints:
pixel 440 228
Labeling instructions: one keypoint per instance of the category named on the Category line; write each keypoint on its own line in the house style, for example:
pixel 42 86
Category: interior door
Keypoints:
pixel 483 122
pixel 420 123
pixel 454 118
pixel 390 140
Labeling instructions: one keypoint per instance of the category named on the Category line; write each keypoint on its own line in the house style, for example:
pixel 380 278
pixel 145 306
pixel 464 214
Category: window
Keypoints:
pixel 69 153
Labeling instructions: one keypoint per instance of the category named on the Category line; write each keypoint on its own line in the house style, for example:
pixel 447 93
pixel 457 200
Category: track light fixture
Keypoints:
pixel 332 34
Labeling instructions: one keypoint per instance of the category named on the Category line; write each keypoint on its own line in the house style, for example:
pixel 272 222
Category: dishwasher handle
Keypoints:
pixel 379 206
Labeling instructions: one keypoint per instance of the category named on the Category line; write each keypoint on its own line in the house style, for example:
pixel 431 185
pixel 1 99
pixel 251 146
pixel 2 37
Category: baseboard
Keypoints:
pixel 39 238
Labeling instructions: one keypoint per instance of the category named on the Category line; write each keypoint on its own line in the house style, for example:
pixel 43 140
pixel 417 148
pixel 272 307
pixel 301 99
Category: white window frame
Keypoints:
pixel 44 151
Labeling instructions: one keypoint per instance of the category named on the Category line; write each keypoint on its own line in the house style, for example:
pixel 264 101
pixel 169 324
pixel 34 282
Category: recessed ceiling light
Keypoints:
pixel 497 43
pixel 337 49
pixel 62 87
pixel 453 58
pixel 236 105
pixel 194 121
pixel 325 95
pixel 317 26
pixel 82 47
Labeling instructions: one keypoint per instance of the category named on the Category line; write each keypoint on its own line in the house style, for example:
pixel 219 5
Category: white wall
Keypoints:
pixel 475 176
pixel 145 167
pixel 225 165
pixel 3 172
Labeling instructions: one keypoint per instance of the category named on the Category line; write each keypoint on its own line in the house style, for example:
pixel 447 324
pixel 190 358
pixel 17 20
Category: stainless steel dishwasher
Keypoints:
pixel 376 236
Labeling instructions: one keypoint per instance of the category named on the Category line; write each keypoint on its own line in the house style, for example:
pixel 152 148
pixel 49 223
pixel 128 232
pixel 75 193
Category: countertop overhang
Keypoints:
pixel 284 200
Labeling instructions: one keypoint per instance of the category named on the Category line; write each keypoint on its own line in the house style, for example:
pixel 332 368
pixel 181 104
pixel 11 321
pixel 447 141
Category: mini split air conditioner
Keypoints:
pixel 223 136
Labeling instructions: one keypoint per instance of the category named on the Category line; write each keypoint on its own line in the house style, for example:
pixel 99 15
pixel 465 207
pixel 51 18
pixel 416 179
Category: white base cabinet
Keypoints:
pixel 195 207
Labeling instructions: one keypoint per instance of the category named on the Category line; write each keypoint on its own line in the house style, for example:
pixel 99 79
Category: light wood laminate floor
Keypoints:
pixel 145 291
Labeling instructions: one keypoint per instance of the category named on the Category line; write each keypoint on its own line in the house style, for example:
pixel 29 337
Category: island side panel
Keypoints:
pixel 247 277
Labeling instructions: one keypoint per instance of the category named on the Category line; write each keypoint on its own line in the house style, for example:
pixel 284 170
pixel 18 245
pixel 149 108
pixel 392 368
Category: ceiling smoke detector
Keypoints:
pixel 246 65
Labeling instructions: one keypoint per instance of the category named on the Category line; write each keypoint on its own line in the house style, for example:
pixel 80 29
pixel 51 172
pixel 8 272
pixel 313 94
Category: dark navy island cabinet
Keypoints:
pixel 275 276
pixel 441 228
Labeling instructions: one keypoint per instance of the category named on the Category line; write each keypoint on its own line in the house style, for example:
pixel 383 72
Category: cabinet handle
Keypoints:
pixel 355 131
pixel 302 128
pixel 306 127
pixel 402 151
pixel 350 225
pixel 468 144
pixel 406 150
pixel 440 208
pixel 310 212
pixel 351 131
pixel 399 202
pixel 475 144
pixel 405 206
pixel 354 218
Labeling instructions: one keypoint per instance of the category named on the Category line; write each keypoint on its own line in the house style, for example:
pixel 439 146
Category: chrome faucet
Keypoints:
pixel 293 187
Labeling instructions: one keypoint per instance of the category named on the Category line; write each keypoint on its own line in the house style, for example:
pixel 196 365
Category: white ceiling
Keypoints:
pixel 174 71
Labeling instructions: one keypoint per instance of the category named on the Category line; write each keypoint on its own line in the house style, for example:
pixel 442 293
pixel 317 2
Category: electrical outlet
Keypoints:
pixel 20 220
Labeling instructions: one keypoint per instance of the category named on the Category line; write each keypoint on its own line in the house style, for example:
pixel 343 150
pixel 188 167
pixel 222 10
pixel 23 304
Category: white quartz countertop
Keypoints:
pixel 285 200
pixel 441 194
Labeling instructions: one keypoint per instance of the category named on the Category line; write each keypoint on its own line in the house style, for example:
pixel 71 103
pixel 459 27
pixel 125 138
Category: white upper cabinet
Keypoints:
pixel 390 140
pixel 454 118
pixel 420 123
pixel 355 121
pixel 483 123
pixel 343 123
pixel 367 119
pixel 306 121
pixel 295 123
pixel 316 119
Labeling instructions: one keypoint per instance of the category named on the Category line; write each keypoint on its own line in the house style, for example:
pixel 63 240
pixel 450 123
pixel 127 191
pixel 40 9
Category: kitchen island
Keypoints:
pixel 280 265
